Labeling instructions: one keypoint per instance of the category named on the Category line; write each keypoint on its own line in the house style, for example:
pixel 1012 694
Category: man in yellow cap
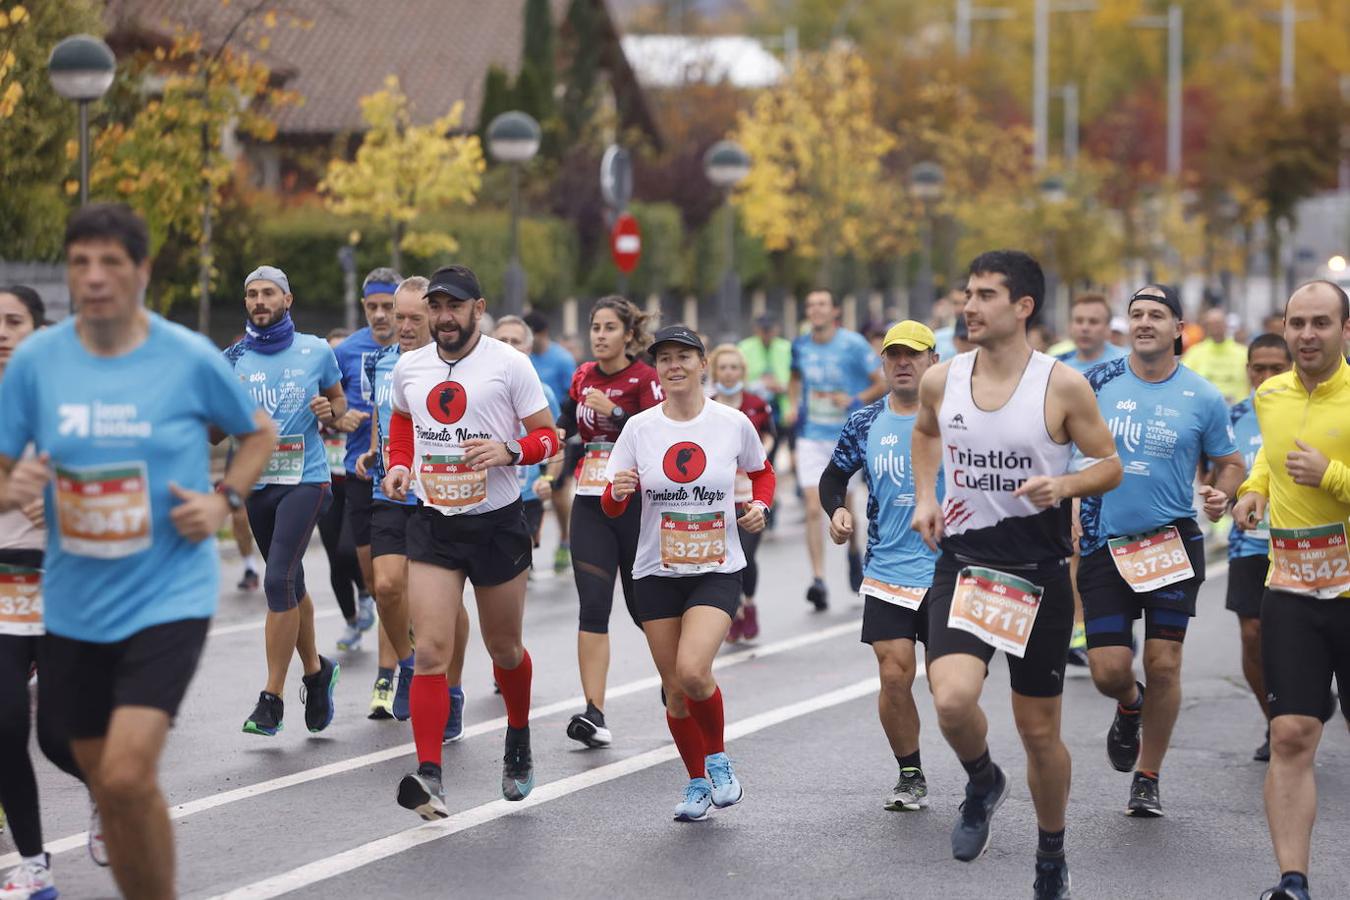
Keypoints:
pixel 898 568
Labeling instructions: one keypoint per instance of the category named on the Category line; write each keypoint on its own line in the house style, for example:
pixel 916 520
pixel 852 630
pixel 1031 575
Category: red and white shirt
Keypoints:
pixel 633 388
pixel 484 395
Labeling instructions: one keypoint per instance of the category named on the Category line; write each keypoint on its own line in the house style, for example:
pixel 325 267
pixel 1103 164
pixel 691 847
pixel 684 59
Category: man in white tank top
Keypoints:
pixel 1001 421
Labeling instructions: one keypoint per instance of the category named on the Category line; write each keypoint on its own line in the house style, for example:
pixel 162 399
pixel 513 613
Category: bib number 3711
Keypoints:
pixel 1314 562
pixel 998 608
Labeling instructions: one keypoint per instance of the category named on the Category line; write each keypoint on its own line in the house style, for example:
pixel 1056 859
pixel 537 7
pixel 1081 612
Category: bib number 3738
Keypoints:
pixel 103 511
pixel 1314 562
pixel 998 608
pixel 1152 560
pixel 692 543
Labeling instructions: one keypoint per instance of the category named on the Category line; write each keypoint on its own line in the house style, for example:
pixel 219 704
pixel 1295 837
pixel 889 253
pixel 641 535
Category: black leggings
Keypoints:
pixel 750 574
pixel 601 548
pixel 282 517
pixel 344 572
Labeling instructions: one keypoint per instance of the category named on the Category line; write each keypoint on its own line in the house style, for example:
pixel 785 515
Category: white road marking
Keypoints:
pixel 355 858
pixel 219 630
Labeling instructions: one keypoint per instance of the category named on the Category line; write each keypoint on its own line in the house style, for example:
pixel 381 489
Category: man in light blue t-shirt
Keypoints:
pixel 1090 328
pixel 118 404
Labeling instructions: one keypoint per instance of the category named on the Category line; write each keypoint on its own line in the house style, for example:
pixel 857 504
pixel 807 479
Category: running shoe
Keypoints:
pixel 266 718
pixel 316 692
pixel 382 700
pixel 30 880
pixel 1145 800
pixel 910 793
pixel 351 638
pixel 734 632
pixel 726 789
pixel 970 837
pixel 422 793
pixel 1122 741
pixel 817 595
pixel 589 728
pixel 1052 878
pixel 365 612
pixel 1078 647
pixel 1262 753
pixel 697 800
pixel 249 581
pixel 750 624
pixel 1285 891
pixel 454 726
pixel 562 559
pixel 517 764
pixel 855 570
pixel 402 709
pixel 98 849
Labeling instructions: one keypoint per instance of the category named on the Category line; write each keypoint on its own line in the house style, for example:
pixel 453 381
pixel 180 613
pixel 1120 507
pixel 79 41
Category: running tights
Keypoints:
pixel 344 572
pixel 282 517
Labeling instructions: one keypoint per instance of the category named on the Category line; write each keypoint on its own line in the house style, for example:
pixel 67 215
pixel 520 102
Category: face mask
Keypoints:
pixel 730 391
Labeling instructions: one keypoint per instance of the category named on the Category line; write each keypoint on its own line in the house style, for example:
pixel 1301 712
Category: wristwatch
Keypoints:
pixel 231 496
pixel 513 447
pixel 617 412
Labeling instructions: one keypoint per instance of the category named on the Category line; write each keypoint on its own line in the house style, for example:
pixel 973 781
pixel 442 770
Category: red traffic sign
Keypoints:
pixel 625 243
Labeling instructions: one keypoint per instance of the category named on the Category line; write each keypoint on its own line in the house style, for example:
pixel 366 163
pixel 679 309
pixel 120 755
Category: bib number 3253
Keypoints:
pixel 692 543
pixel 1152 560
pixel 998 608
pixel 1314 562
pixel 450 485
pixel 103 511
pixel 20 600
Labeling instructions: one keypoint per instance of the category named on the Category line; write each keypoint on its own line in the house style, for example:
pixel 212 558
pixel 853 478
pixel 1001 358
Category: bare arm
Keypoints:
pixel 875 389
pixel 925 451
pixel 794 392
pixel 1089 432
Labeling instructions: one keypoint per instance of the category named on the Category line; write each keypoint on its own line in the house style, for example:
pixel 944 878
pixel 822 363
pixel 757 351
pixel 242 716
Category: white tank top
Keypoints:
pixel 986 456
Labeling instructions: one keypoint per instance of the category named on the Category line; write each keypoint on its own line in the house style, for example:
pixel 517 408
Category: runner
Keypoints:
pixel 131 574
pixel 728 369
pixel 1002 422
pixel 556 368
pixel 899 567
pixel 833 371
pixel 768 369
pixel 604 395
pixel 1300 481
pixel 389 529
pixel 536 482
pixel 1249 551
pixel 1143 555
pixel 243 542
pixel 294 378
pixel 335 532
pixel 683 456
pixel 458 404
pixel 1218 358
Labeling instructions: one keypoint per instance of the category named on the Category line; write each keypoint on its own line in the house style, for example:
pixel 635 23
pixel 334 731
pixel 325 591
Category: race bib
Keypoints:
pixel 898 594
pixel 1151 560
pixel 103 511
pixel 822 410
pixel 592 481
pixel 1310 561
pixel 693 543
pixel 286 465
pixel 450 485
pixel 20 600
pixel 998 608
pixel 335 448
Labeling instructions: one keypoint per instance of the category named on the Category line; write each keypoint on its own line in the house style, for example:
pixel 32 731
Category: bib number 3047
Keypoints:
pixel 103 511
pixel 998 608
pixel 1314 562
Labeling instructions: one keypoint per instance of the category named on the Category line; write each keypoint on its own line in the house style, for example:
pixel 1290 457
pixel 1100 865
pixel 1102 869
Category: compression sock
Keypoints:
pixel 689 741
pixel 429 701
pixel 515 686
pixel 708 714
pixel 909 761
pixel 981 771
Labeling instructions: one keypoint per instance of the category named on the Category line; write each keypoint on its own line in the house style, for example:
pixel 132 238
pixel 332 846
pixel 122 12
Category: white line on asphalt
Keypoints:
pixel 651 683
pixel 256 626
pixel 365 854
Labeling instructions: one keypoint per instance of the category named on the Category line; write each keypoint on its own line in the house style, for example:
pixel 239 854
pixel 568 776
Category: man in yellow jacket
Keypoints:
pixel 1300 485
pixel 1218 358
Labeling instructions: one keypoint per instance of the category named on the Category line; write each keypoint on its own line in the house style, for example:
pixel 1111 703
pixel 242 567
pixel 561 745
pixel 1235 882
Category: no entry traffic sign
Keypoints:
pixel 625 243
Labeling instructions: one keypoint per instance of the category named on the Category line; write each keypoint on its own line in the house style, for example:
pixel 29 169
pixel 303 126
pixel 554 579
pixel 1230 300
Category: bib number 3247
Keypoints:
pixel 103 511
pixel 998 608
pixel 692 543
pixel 1314 562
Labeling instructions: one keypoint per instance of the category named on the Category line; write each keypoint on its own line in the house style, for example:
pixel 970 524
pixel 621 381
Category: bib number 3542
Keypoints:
pixel 1314 562
pixel 998 608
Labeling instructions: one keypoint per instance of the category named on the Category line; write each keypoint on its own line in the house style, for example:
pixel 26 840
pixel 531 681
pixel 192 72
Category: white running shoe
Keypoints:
pixel 30 880
pixel 98 851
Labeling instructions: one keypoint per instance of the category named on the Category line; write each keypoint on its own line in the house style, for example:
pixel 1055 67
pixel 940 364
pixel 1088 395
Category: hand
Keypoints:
pixel 28 479
pixel 1215 502
pixel 753 521
pixel 625 483
pixel 1249 511
pixel 322 408
pixel 597 401
pixel 841 525
pixel 350 421
pixel 481 454
pixel 363 464
pixel 396 483
pixel 543 488
pixel 1306 465
pixel 36 513
pixel 1042 490
pixel 198 515
pixel 928 522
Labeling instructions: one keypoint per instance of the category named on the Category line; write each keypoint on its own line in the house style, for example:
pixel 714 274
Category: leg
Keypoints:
pixel 1250 631
pixel 702 630
pixel 562 509
pixel 815 538
pixel 330 534
pixel 1162 701
pixel 305 642
pixel 243 537
pixel 895 702
pixel 957 680
pixel 391 597
pixel 663 639
pixel 1291 791
pixel 595 562
pixel 18 784
pixel 1113 673
pixel 1048 764
pixel 288 520
pixel 435 597
pixel 454 672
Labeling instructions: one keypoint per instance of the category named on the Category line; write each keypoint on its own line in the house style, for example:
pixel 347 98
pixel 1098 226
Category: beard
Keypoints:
pixel 457 342
pixel 268 320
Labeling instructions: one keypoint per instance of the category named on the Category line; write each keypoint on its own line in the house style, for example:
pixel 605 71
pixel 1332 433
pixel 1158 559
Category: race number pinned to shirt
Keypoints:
pixel 592 481
pixel 1151 560
pixel 20 601
pixel 821 409
pixel 103 511
pixel 998 608
pixel 1314 562
pixel 897 594
pixel 451 485
pixel 286 465
pixel 692 543
pixel 335 448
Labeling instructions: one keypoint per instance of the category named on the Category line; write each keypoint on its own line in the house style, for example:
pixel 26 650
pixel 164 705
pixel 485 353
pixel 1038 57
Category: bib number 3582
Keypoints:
pixel 692 543
pixel 450 485
pixel 1314 562
pixel 998 608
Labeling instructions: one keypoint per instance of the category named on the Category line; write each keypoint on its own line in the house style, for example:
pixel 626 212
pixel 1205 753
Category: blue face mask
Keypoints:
pixel 272 339
pixel 730 391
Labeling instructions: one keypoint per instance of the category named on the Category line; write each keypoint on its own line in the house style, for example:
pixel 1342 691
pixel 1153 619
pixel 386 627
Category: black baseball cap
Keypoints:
pixel 1170 299
pixel 457 281
pixel 676 334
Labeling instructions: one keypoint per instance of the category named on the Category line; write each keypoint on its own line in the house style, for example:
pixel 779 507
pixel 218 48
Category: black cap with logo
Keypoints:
pixel 676 334
pixel 457 281
pixel 1168 297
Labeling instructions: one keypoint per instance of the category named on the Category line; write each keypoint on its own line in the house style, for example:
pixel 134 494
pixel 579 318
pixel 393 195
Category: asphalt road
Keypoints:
pixel 314 815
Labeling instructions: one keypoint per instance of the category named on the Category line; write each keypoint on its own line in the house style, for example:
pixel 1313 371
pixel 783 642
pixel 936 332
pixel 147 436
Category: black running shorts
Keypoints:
pixel 360 497
pixel 670 596
pixel 1304 642
pixel 884 621
pixel 389 528
pixel 492 547
pixel 1247 585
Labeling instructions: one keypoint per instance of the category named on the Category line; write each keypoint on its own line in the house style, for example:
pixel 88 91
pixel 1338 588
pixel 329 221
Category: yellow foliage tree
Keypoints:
pixel 403 170
pixel 11 91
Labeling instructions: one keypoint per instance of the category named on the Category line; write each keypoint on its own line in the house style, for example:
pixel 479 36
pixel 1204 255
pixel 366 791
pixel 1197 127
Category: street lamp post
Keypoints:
pixel 81 68
pixel 725 164
pixel 513 138
pixel 1040 72
pixel 1053 193
pixel 1172 23
pixel 926 180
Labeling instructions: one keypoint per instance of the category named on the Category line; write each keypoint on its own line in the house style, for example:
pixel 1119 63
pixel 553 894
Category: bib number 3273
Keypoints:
pixel 1314 562
pixel 1152 560
pixel 998 608
pixel 103 511
pixel 20 600
pixel 692 543
pixel 450 485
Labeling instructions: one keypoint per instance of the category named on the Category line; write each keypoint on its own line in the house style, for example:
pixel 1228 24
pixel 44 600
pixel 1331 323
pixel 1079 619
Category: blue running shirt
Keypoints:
pixel 1161 430
pixel 843 363
pixel 120 430
pixel 1247 430
pixel 351 359
pixel 876 439
pixel 379 370
pixel 555 367
pixel 1109 352
pixel 282 384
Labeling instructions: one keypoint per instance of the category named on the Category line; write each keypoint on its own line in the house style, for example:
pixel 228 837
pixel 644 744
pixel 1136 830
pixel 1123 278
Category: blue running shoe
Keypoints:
pixel 402 709
pixel 517 764
pixel 1287 890
pixel 365 612
pixel 697 800
pixel 970 837
pixel 316 692
pixel 1052 879
pixel 266 717
pixel 454 726
pixel 726 790
pixel 351 638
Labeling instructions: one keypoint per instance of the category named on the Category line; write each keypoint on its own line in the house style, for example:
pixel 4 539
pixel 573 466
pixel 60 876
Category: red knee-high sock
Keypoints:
pixel 689 741
pixel 515 685
pixel 708 714
pixel 429 701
